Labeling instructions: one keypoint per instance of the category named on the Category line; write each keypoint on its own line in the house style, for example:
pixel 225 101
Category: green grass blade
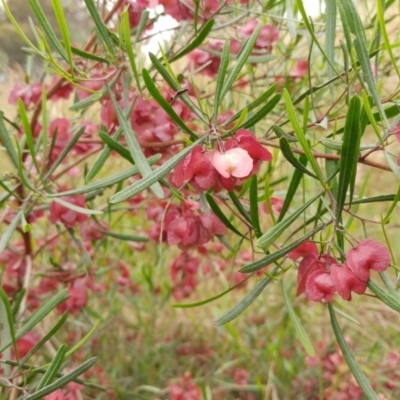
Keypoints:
pixel 59 383
pixel 359 376
pixel 298 327
pixel 101 28
pixel 155 176
pixel 53 368
pixel 203 33
pixel 349 154
pixel 301 137
pixel 282 252
pixel 247 300
pixel 134 147
pixel 244 53
pixel 270 237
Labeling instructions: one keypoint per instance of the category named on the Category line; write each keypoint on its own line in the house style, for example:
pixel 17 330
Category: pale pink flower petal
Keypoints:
pixel 234 162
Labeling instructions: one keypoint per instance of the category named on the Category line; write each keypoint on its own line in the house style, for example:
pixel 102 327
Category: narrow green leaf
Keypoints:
pixel 142 25
pixel 76 208
pixel 269 237
pixel 389 284
pixel 6 141
pixel 219 213
pixel 239 206
pixel 134 147
pixel 330 36
pixel 151 87
pixel 254 215
pixel 348 356
pixel 240 121
pixel 392 164
pixel 48 30
pixel 45 338
pixel 173 83
pixel 125 237
pixel 223 67
pixel 53 368
pixel 282 134
pixel 386 297
pixel 89 56
pixel 261 113
pixel 155 176
pixel 82 341
pixel 349 154
pixel 282 252
pixel 129 47
pixel 298 327
pixel 288 154
pixel 27 131
pixel 392 207
pixel 118 148
pixel 301 137
pixel 102 29
pixel 203 33
pixel 102 158
pixel 254 104
pixel 106 182
pixel 62 23
pixel 60 383
pixel 7 233
pixel 6 330
pixel 247 300
pixel 293 185
pixel 38 315
pixel 66 150
pixel 242 57
pixel 210 299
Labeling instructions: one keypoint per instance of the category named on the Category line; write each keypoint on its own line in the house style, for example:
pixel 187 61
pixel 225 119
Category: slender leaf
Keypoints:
pixel 60 383
pixel 293 185
pixel 106 182
pixel 62 23
pixel 349 154
pixel 6 140
pixel 359 376
pixel 151 87
pixel 282 252
pixel 76 208
pixel 7 233
pixel 288 154
pixel 155 176
pixel 330 36
pixel 269 237
pixel 242 57
pixel 219 213
pixel 254 214
pixel 247 300
pixel 125 237
pixel 239 206
pixel 203 33
pixel 300 331
pixel 134 147
pixel 261 113
pixel 301 137
pixel 53 368
pixel 385 296
pixel 114 145
pixel 102 29
pixel 89 56
pixel 223 67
